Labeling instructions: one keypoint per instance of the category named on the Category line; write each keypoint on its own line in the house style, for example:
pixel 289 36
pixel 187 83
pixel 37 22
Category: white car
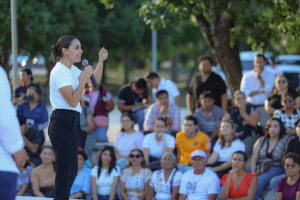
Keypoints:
pixel 288 60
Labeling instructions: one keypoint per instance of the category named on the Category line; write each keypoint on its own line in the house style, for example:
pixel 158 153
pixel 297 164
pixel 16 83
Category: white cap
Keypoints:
pixel 198 153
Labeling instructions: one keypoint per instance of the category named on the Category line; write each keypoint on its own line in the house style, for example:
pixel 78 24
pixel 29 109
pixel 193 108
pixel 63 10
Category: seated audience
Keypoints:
pixel 24 182
pixel 101 103
pixel 273 102
pixel 87 137
pixel 82 183
pixel 105 176
pixel 127 140
pixel 33 141
pixel 163 108
pixel 246 118
pixel 33 110
pixel 221 158
pixel 157 143
pixel 165 182
pixel 158 84
pixel 267 154
pixel 135 178
pixel 289 186
pixel 294 143
pixel 288 114
pixel 190 140
pixel 238 183
pixel 208 115
pixel 200 183
pixel 43 176
pixel 291 146
pixel 134 98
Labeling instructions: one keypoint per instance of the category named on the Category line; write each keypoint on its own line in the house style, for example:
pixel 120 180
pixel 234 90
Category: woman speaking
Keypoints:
pixel 67 83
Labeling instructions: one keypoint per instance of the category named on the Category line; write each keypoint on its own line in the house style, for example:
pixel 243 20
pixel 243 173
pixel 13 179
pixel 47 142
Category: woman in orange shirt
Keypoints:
pixel 238 183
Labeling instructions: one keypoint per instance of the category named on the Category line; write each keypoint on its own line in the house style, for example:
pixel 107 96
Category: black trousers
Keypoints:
pixel 64 130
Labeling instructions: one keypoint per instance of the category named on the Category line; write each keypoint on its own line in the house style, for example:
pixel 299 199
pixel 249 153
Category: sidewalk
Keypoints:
pixel 114 122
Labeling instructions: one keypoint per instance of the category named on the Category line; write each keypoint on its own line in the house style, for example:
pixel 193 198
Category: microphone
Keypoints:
pixel 85 63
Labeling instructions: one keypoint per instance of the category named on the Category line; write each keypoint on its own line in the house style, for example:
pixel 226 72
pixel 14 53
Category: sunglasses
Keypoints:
pixel 288 100
pixel 135 156
pixel 281 81
pixel 293 165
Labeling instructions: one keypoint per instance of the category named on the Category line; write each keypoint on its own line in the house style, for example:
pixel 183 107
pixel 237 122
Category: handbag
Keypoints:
pixel 262 168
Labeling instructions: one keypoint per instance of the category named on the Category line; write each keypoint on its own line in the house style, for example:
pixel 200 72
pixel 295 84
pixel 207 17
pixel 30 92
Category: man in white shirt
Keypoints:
pixel 158 84
pixel 200 183
pixel 257 84
pixel 12 153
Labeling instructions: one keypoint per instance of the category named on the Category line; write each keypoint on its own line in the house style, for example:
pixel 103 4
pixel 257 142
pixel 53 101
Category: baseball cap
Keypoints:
pixel 28 71
pixel 198 153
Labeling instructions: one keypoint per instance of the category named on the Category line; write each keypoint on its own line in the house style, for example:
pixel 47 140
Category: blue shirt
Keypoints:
pixel 82 181
pixel 38 117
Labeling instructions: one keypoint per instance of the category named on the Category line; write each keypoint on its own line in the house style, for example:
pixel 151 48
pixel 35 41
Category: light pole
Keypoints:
pixel 14 42
pixel 154 47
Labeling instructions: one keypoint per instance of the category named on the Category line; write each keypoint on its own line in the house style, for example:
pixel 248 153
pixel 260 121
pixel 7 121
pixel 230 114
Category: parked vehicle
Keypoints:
pixel 288 60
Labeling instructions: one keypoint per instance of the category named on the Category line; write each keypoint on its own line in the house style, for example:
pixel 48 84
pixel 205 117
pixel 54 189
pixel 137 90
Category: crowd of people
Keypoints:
pixel 223 151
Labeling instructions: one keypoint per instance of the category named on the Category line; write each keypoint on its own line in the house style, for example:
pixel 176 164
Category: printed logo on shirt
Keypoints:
pixel 196 143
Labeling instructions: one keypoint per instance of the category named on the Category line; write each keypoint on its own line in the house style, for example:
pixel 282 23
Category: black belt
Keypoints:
pixel 257 106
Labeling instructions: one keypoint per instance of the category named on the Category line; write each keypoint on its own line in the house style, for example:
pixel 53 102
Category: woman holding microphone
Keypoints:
pixel 67 83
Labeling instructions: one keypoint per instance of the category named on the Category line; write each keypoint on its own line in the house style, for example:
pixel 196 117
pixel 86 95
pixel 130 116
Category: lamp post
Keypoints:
pixel 14 42
pixel 154 47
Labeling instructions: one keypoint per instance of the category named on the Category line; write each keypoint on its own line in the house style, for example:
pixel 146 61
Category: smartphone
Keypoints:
pixel 29 97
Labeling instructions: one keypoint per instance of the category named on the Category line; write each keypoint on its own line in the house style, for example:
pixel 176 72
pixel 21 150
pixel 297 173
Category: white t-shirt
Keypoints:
pixel 126 142
pixel 11 140
pixel 170 87
pixel 161 186
pixel 226 152
pixel 155 147
pixel 198 187
pixel 62 76
pixel 104 183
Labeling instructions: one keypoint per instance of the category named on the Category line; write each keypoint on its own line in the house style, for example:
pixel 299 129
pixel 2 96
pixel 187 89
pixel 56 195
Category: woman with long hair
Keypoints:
pixel 82 184
pixel 135 178
pixel 267 153
pixel 127 140
pixel 43 176
pixel 227 144
pixel 273 102
pixel 289 186
pixel 165 182
pixel 67 83
pixel 34 111
pixel 157 143
pixel 105 176
pixel 238 183
pixel 245 118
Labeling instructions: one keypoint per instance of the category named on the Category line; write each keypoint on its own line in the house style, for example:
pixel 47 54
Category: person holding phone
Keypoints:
pixel 157 143
pixel 35 112
pixel 67 83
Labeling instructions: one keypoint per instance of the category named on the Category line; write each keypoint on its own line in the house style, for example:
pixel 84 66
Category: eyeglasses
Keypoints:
pixel 293 165
pixel 282 81
pixel 288 100
pixel 135 156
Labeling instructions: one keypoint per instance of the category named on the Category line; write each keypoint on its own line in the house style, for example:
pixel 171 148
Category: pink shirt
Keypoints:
pixel 94 98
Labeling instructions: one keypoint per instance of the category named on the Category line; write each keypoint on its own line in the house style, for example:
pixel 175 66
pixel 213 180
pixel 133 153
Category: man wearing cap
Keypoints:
pixel 32 140
pixel 26 78
pixel 200 183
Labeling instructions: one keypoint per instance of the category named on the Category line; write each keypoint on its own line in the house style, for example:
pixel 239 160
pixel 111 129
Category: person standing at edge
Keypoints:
pixel 67 83
pixel 12 153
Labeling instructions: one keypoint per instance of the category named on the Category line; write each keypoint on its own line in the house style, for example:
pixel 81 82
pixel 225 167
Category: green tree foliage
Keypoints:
pixel 222 23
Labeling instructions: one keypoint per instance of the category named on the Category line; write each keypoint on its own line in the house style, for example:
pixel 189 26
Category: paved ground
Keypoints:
pixel 114 122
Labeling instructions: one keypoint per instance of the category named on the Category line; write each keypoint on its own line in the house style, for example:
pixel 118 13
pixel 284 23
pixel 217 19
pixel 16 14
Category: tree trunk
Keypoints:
pixel 217 35
pixel 128 57
pixel 175 67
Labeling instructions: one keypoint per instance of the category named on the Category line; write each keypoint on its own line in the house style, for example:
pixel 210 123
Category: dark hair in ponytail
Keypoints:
pixel 62 42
